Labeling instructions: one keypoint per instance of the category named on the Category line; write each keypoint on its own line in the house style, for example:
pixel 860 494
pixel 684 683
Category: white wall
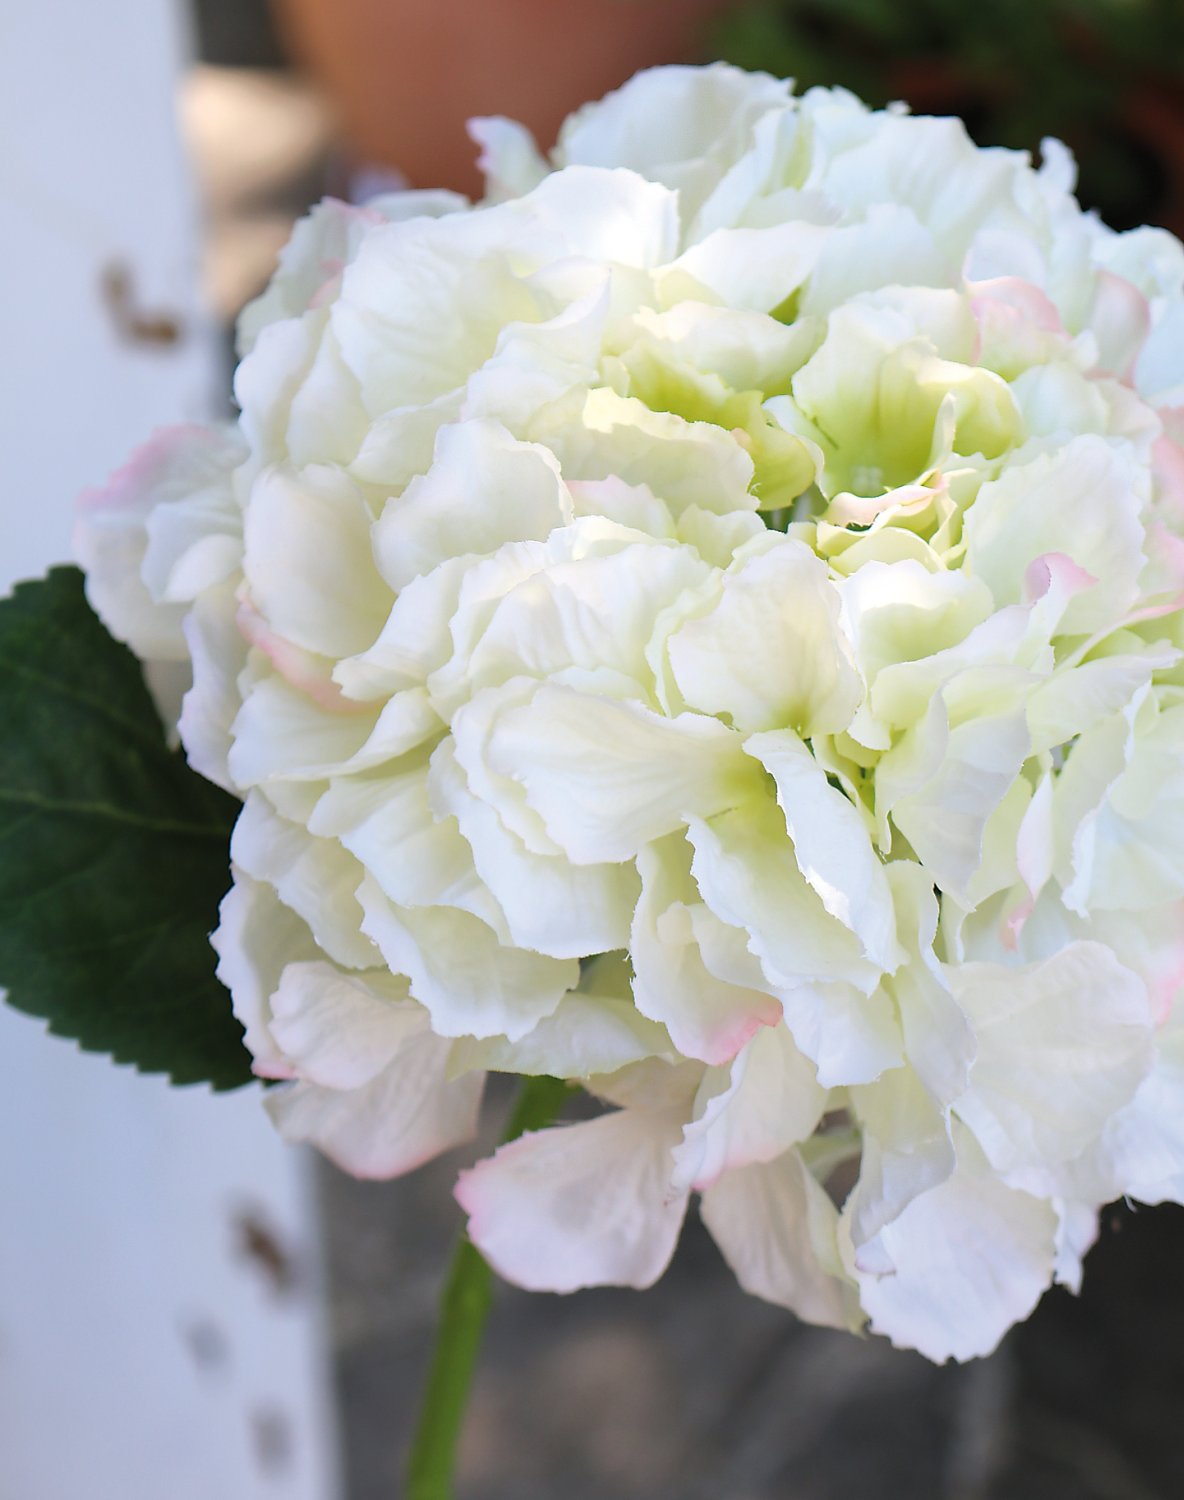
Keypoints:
pixel 148 1348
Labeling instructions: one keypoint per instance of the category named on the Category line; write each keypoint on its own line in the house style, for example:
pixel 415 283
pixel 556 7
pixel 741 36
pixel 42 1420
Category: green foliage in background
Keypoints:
pixel 1016 70
pixel 113 853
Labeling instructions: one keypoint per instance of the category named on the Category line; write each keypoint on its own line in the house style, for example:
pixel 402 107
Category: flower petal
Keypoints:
pixel 766 666
pixel 468 981
pixel 771 1100
pixel 607 777
pixel 341 1030
pixel 776 1228
pixel 404 1117
pixel 578 1205
pixel 1062 1045
pixel 709 1015
pixel 970 1257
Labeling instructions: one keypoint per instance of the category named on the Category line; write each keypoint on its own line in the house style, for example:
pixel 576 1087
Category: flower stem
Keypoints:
pixel 464 1307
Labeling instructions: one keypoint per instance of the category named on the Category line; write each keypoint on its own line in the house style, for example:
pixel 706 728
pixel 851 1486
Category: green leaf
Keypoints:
pixel 113 853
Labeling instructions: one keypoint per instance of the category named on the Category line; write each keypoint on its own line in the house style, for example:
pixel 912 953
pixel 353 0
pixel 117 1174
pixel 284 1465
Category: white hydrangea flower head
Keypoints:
pixel 707 623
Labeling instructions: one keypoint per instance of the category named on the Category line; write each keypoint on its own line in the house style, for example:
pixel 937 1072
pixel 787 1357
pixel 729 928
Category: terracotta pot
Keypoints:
pixel 404 75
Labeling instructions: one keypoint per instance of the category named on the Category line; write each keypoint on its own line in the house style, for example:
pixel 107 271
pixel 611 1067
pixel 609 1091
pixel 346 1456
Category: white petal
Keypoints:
pixel 850 1037
pixel 907 1150
pixel 341 1030
pixel 1084 501
pixel 399 443
pixel 308 560
pixel 600 213
pixel 776 1228
pixel 111 533
pixel 255 937
pixel 595 1030
pixel 746 872
pixel 326 419
pixel 938 1039
pixel 416 858
pixel 607 777
pixel 414 641
pixel 421 307
pixel 889 246
pixel 470 983
pixel 683 463
pixel 315 877
pixel 1143 1145
pixel 766 666
pixel 596 612
pixel 484 488
pixel 709 1016
pixel 322 242
pixel 1062 1045
pixel 280 732
pixel 831 845
pixel 754 269
pixel 218 653
pixel 578 1205
pixel 509 161
pixel 680 126
pixel 770 1100
pixel 943 780
pixel 1077 1232
pixel 408 1114
pixel 971 1257
pixel 548 904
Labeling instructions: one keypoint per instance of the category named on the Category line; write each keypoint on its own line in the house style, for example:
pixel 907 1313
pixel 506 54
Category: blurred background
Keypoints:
pixel 188 1309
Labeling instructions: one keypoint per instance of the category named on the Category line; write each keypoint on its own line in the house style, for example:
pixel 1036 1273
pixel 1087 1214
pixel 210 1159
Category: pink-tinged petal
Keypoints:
pixel 328 236
pixel 1021 298
pixel 1167 467
pixel 404 1117
pixel 1152 944
pixel 1167 979
pixel 1120 320
pixel 579 1205
pixel 1166 571
pixel 304 670
pixel 1016 323
pixel 1055 574
pixel 771 1101
pixel 1085 501
pixel 680 951
pixel 111 533
pixel 341 1030
pixel 331 268
pixel 776 1228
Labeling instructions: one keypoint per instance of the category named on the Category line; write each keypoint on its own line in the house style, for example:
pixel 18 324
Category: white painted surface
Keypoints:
pixel 145 1352
pixel 92 174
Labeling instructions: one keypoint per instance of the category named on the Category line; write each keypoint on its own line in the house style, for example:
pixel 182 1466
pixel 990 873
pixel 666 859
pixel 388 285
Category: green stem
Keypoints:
pixel 464 1307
